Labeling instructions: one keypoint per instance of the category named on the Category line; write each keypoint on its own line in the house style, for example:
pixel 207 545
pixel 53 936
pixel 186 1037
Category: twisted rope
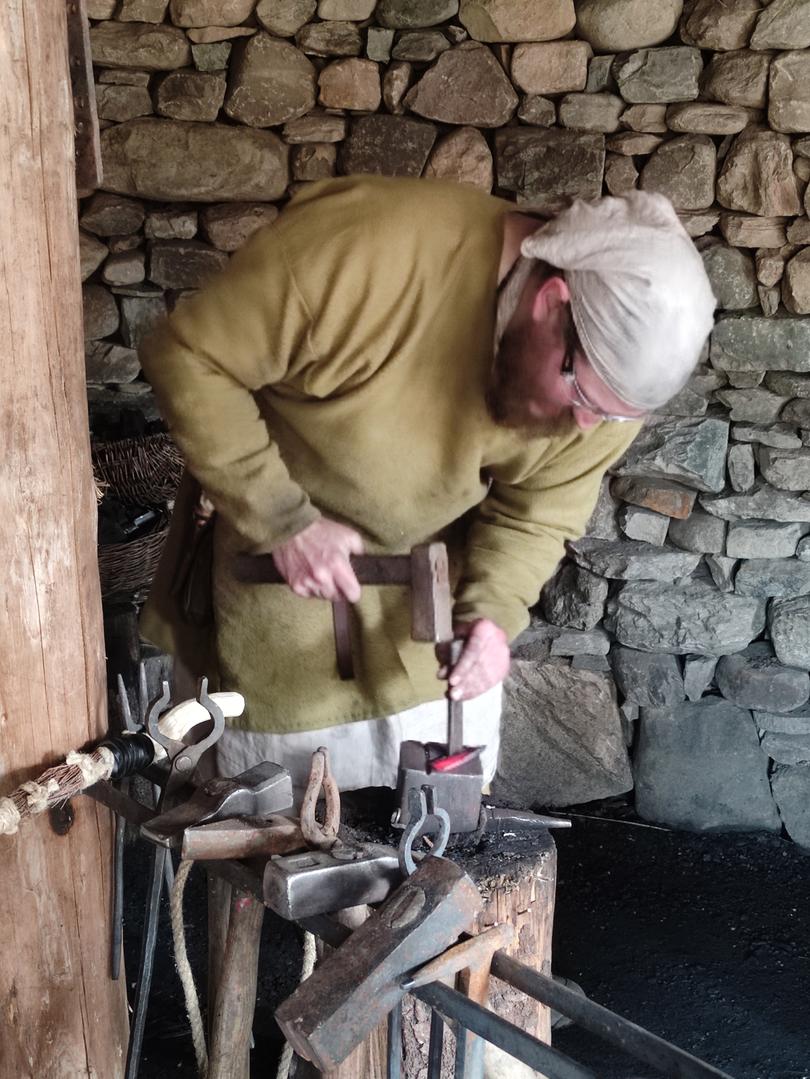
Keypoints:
pixel 307 967
pixel 184 968
pixel 56 785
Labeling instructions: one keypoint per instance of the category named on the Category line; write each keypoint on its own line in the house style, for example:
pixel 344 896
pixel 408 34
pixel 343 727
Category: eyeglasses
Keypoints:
pixel 579 399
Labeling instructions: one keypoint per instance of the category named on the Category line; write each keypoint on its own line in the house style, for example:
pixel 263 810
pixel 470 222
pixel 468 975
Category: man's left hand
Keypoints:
pixel 484 661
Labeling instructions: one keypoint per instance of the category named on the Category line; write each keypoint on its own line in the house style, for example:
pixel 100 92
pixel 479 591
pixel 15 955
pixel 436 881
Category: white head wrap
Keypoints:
pixel 640 298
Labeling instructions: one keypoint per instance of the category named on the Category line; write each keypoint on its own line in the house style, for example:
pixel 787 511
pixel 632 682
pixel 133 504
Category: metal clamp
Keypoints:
pixel 184 757
pixel 425 819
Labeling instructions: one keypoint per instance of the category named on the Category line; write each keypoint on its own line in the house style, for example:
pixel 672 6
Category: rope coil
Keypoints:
pixel 54 786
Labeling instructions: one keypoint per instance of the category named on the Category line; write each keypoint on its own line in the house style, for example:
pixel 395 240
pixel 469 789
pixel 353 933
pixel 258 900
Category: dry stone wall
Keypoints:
pixel 680 626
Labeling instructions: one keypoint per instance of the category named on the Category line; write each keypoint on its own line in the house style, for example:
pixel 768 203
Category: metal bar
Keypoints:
pixel 491 1027
pixel 394 1055
pixel 369 568
pixel 633 1039
pixel 146 967
pixel 435 1046
pixel 117 932
pixel 460 1066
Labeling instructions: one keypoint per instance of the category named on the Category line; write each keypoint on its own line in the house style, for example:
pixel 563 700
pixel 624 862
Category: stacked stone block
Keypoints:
pixel 680 626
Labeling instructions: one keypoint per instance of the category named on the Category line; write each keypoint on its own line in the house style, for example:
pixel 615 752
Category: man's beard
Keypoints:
pixel 512 386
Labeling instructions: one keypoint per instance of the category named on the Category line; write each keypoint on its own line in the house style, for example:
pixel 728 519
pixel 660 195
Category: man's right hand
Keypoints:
pixel 315 562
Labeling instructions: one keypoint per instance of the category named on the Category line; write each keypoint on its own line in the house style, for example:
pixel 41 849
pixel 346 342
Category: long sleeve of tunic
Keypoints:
pixel 338 367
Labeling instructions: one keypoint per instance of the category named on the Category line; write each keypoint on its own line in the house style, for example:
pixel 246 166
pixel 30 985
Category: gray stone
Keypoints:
pixel 515 20
pixel 574 598
pixel 690 450
pixel 126 268
pixel 175 161
pixel 784 24
pixel 791 791
pixel 756 679
pixel 789 470
pixel 766 577
pixel 641 524
pixel 414 14
pixel 789 92
pixel 745 380
pixel 649 679
pixel 789 627
pixel 739 343
pixel 212 57
pixel 358 10
pixel 100 9
pixel 630 560
pixel 646 118
pixel 534 643
pixel 693 399
pixel 690 616
pixel 463 156
pixel 316 126
pixel 700 532
pixel 545 168
pixel 780 435
pixel 229 226
pixel 466 85
pixel 271 82
pixel 100 312
pixel 210 12
pixel 396 81
pixel 562 740
pixel 770 267
pixel 191 95
pixel 109 215
pixel 387 146
pixel 379 43
pixel 798 231
pixel 600 74
pixel 175 224
pixel 741 468
pixel 124 77
pixel 92 253
pixel 329 39
pixel 183 263
pixel 698 672
pixel 748 230
pixel 105 362
pixel 138 316
pixel 757 175
pixel 705 118
pixel 763 539
pixel 611 25
pixel 738 78
pixel 621 174
pixel 796 283
pixel 602 522
pixel 313 161
pixel 797 411
pixel 651 76
pixel 803 549
pixel 283 18
pixel 722 570
pixel 578 642
pixel 555 67
pixel 683 169
pixel 420 46
pixel 121 103
pixel 764 503
pixel 797 722
pixel 592 663
pixel 350 84
pixel 590 112
pixel 731 272
pixel 699 766
pixel 214 35
pixel 119 404
pixel 629 715
pixel 754 405
pixel 787 748
pixel 719 27
pixel 537 110
pixel 139 45
pixel 663 497
pixel 634 143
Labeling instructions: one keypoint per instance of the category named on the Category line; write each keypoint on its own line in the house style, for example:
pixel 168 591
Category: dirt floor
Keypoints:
pixel 703 939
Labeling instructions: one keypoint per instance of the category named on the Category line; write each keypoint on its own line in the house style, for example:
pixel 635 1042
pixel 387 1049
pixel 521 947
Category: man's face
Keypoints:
pixel 541 381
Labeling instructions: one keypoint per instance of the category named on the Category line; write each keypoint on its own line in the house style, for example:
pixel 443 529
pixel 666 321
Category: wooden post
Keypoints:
pixel 60 1015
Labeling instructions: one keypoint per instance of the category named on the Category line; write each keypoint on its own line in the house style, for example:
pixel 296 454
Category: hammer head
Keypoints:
pixel 264 789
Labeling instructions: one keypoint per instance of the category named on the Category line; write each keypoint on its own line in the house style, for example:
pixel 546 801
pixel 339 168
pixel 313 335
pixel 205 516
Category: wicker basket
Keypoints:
pixel 144 471
pixel 130 567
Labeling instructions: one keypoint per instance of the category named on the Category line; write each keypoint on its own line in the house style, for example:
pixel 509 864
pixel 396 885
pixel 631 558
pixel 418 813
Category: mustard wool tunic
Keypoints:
pixel 337 367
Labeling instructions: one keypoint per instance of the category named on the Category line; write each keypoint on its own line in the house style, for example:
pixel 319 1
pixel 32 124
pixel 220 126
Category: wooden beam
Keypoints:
pixel 60 1015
